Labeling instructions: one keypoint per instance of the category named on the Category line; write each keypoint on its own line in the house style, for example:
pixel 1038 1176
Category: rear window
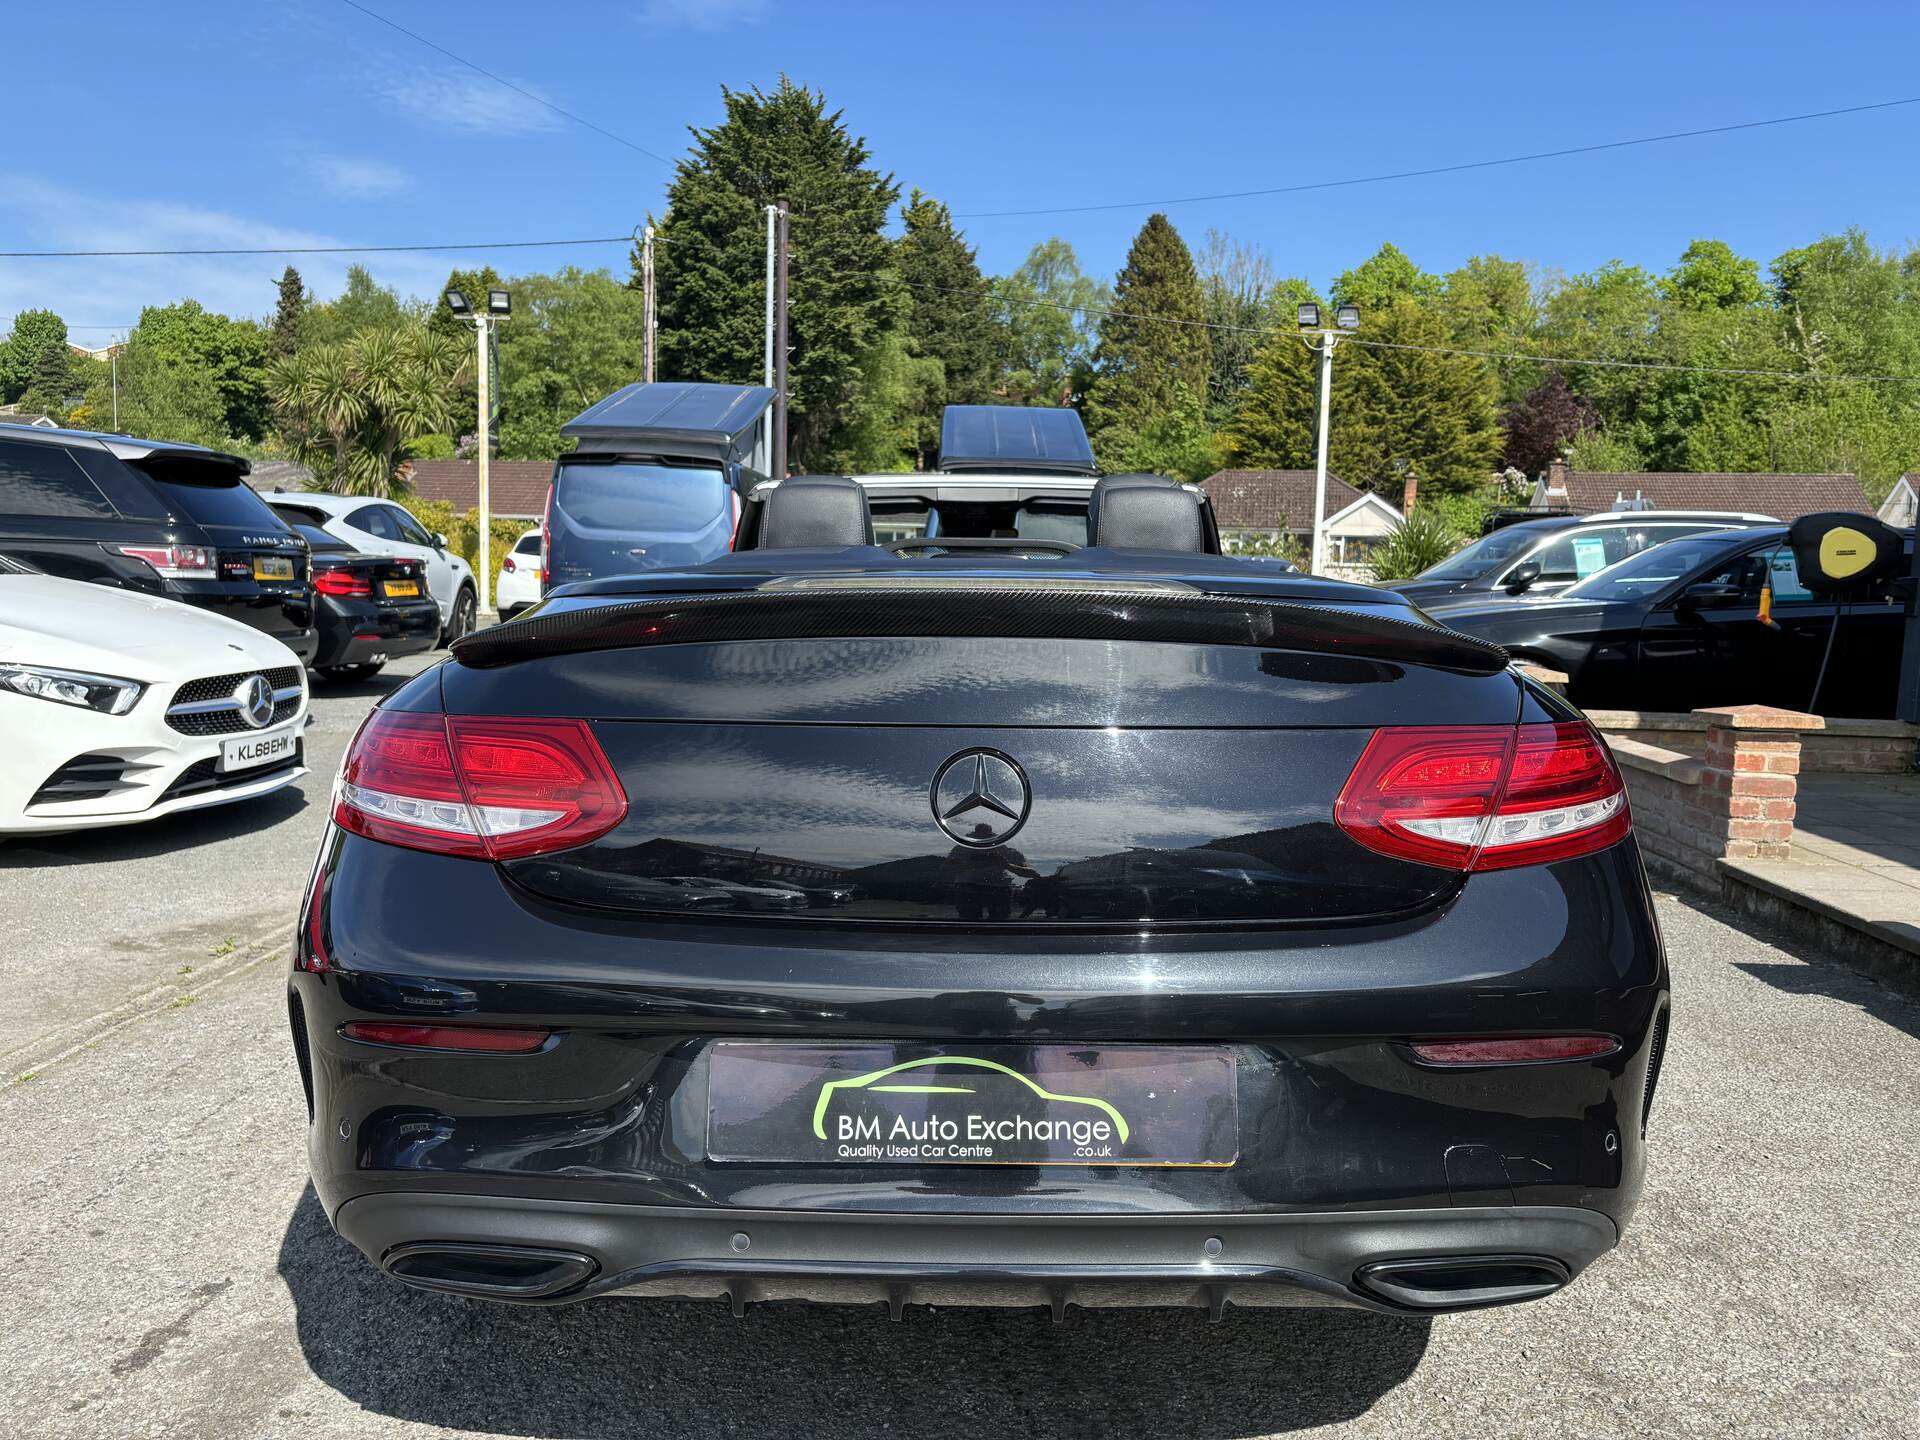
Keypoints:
pixel 640 498
pixel 47 480
pixel 318 539
pixel 213 495
pixel 529 544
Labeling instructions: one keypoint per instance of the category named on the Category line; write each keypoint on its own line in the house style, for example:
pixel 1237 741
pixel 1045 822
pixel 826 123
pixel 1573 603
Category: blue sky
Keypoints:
pixel 309 123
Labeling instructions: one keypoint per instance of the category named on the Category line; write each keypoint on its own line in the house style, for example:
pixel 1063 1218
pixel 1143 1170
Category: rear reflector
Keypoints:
pixel 488 1039
pixel 1485 797
pixel 1529 1050
pixel 492 789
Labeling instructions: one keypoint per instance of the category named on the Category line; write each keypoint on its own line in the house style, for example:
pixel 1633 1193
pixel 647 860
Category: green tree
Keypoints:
pixel 1240 288
pixel 33 332
pixel 287 313
pixel 712 268
pixel 1275 421
pixel 353 409
pixel 1421 542
pixel 1178 442
pixel 1153 342
pixel 1046 316
pixel 160 397
pixel 575 338
pixel 1384 277
pixel 363 305
pixel 53 388
pixel 233 352
pixel 1417 408
pixel 948 320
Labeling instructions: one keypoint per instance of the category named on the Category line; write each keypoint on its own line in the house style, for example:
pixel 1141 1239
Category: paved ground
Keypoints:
pixel 94 919
pixel 169 1274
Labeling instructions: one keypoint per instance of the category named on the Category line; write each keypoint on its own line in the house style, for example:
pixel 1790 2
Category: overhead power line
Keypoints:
pixel 502 80
pixel 1452 169
pixel 315 249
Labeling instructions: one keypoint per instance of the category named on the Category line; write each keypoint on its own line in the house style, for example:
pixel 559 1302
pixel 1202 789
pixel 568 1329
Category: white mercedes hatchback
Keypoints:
pixel 117 707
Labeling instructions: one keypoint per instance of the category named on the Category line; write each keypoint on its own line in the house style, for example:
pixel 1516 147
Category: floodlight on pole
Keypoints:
pixel 1346 318
pixel 499 307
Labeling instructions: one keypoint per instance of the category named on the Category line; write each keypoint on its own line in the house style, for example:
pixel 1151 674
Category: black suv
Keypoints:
pixel 176 520
pixel 1159 928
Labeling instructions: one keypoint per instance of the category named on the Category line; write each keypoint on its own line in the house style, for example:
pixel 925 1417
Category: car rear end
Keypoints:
pixel 1160 947
pixel 371 608
pixel 611 515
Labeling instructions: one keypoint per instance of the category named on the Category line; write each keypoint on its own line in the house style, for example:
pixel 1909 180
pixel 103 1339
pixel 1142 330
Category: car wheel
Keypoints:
pixel 465 607
pixel 347 674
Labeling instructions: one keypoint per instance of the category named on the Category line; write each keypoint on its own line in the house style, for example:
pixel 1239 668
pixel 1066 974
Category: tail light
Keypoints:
pixel 1482 797
pixel 175 562
pixel 506 564
pixel 493 789
pixel 486 1039
pixel 546 539
pixel 342 582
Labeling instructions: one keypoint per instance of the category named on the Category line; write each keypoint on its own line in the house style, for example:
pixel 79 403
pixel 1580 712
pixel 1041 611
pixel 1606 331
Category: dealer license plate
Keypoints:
pixel 886 1104
pixel 397 588
pixel 249 752
pixel 272 567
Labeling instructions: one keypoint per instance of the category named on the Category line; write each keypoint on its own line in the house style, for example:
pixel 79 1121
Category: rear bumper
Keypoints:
pixel 362 634
pixel 555 1251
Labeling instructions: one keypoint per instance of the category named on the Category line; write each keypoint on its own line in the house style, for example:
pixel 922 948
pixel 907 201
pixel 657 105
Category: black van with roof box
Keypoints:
pixel 172 519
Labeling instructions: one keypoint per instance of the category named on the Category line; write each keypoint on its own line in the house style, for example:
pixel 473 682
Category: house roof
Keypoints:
pixel 1902 505
pixel 514 487
pixel 1269 499
pixel 1786 497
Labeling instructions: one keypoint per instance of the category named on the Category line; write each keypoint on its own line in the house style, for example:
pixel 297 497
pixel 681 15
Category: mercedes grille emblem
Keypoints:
pixel 255 699
pixel 981 797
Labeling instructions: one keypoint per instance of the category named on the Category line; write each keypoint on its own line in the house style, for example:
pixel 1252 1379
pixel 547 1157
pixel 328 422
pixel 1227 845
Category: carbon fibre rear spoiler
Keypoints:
pixel 1065 610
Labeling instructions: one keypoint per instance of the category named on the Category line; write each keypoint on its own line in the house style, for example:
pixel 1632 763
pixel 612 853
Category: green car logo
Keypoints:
pixel 871 1081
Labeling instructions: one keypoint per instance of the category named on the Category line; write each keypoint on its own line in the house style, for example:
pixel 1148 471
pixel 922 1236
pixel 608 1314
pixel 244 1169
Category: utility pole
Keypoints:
pixel 113 363
pixel 482 332
pixel 650 309
pixel 780 344
pixel 766 449
pixel 1346 318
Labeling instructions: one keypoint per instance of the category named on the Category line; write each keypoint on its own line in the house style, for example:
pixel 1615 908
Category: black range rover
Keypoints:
pixel 176 520
pixel 1188 934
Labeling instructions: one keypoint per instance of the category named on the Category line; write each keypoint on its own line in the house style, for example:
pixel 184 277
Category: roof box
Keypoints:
pixel 1015 437
pixel 674 417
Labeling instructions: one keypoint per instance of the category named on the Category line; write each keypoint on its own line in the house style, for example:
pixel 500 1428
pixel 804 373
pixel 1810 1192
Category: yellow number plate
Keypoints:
pixel 272 567
pixel 402 587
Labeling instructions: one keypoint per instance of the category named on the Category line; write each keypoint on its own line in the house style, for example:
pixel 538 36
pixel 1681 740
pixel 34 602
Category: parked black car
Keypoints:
pixel 655 481
pixel 1375 1020
pixel 1539 557
pixel 176 520
pixel 1677 627
pixel 368 609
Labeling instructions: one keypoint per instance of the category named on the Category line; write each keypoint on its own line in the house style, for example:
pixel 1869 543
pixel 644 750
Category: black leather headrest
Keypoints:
pixel 1144 512
pixel 815 510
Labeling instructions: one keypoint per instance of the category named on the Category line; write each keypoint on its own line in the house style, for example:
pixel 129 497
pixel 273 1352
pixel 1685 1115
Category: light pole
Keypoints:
pixel 498 307
pixel 1345 318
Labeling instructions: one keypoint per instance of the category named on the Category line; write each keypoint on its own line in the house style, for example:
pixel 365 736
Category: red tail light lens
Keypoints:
pixel 176 562
pixel 492 789
pixel 486 1039
pixel 506 564
pixel 1529 1050
pixel 1483 797
pixel 342 582
pixel 546 538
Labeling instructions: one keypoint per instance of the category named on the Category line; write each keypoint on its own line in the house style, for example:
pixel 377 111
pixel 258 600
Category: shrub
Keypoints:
pixel 1423 541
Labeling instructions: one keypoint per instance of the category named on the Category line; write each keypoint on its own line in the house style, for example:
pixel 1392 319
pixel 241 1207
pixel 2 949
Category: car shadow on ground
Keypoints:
pixel 374 687
pixel 651 1367
pixel 145 839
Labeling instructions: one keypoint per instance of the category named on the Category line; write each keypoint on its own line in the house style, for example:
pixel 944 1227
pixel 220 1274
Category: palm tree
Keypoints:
pixel 352 410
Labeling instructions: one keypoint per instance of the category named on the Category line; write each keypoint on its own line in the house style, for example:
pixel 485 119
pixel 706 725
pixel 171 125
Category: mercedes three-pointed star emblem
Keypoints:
pixel 980 797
